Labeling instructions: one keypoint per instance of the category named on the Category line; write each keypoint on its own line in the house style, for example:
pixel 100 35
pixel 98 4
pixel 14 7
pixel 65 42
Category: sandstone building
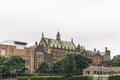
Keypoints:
pixel 50 50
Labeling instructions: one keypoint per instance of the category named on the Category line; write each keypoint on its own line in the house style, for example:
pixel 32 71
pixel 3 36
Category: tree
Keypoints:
pixel 11 64
pixel 82 62
pixel 115 61
pixel 69 65
pixel 43 67
pixel 16 63
pixel 58 67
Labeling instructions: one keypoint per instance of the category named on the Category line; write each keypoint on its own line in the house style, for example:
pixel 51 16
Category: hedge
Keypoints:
pixel 57 78
pixel 114 77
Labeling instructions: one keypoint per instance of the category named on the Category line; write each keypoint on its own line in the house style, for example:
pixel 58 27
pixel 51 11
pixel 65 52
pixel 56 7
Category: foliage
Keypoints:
pixel 58 68
pixel 57 78
pixel 71 64
pixel 43 67
pixel 11 64
pixel 82 62
pixel 114 78
pixel 116 61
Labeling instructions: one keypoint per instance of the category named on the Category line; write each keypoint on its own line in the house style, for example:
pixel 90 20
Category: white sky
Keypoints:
pixel 92 23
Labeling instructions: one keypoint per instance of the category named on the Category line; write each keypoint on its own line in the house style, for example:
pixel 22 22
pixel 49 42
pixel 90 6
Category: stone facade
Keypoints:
pixel 97 57
pixel 50 50
pixel 18 48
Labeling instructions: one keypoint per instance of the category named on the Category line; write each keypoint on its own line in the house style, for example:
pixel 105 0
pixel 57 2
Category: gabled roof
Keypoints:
pixel 60 44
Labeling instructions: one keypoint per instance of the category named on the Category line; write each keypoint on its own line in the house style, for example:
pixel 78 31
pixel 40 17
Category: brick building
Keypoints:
pixel 10 47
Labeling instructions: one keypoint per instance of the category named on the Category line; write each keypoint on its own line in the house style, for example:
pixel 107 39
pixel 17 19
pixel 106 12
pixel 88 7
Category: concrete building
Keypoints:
pixel 101 71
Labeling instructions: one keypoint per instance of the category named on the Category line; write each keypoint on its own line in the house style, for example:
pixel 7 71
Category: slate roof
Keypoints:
pixel 92 53
pixel 60 44
pixel 107 69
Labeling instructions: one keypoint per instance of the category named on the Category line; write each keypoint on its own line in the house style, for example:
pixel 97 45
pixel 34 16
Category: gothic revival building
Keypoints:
pixel 50 50
pixel 97 57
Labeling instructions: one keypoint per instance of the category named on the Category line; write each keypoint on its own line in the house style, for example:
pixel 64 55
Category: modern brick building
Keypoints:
pixel 10 47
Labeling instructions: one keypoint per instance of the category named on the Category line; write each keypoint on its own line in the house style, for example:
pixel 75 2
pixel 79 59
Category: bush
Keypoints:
pixel 114 78
pixel 23 78
pixel 57 78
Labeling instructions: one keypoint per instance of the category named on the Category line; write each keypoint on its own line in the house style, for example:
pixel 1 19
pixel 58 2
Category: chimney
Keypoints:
pixel 72 40
pixel 105 48
pixel 36 43
pixel 95 49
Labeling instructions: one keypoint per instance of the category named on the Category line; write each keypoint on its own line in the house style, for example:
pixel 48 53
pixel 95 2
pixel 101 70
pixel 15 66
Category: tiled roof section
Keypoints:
pixel 33 47
pixel 60 44
pixel 92 53
pixel 96 68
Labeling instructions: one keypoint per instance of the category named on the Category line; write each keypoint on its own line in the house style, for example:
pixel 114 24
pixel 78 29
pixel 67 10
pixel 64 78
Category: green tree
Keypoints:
pixel 82 62
pixel 58 67
pixel 16 63
pixel 11 64
pixel 43 67
pixel 115 61
pixel 69 65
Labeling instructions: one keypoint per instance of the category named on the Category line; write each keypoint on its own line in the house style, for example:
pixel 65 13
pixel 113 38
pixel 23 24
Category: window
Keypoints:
pixel 27 52
pixel 12 50
pixel 3 51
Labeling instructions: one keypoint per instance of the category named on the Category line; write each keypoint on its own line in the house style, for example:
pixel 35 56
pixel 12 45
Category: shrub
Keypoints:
pixel 114 78
pixel 57 78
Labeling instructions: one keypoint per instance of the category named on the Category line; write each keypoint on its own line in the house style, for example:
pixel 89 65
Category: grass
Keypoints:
pixel 96 78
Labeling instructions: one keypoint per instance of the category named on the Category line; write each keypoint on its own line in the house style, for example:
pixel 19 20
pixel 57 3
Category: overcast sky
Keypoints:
pixel 91 23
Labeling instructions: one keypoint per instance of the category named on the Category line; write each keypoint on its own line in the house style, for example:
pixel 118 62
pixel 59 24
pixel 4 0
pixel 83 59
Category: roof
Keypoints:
pixel 18 44
pixel 108 69
pixel 92 53
pixel 60 44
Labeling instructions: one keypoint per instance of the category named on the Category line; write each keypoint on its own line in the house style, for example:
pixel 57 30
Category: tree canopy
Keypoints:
pixel 116 61
pixel 11 64
pixel 43 67
pixel 71 64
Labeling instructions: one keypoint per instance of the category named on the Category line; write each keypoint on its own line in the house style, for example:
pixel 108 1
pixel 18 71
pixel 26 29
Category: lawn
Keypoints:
pixel 96 78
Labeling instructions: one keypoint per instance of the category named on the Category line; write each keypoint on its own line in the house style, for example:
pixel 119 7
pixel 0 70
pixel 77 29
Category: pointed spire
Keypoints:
pixel 42 35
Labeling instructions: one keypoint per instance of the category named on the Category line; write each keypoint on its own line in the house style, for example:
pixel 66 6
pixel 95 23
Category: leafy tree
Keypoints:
pixel 116 61
pixel 16 63
pixel 58 67
pixel 11 64
pixel 82 62
pixel 43 67
pixel 69 65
